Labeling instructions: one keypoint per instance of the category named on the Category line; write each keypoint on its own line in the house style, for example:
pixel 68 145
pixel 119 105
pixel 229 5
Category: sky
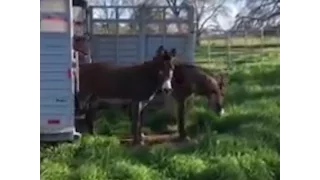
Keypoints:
pixel 227 22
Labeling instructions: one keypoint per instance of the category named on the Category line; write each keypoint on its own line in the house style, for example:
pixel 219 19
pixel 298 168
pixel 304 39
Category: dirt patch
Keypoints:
pixel 169 139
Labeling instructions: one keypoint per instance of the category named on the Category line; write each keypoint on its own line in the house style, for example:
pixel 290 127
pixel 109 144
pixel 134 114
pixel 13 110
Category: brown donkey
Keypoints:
pixel 135 84
pixel 191 79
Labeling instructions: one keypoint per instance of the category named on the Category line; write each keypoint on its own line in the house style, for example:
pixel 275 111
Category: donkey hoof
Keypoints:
pixel 93 133
pixel 143 136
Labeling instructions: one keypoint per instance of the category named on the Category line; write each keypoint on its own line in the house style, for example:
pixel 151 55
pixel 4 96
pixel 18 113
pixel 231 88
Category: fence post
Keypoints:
pixel 117 35
pixel 192 34
pixel 142 33
pixel 228 38
pixel 90 31
pixel 164 26
pixel 209 49
pixel 246 38
pixel 247 48
pixel 262 42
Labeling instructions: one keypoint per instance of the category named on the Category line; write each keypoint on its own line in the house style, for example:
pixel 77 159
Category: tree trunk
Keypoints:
pixel 198 33
pixel 198 42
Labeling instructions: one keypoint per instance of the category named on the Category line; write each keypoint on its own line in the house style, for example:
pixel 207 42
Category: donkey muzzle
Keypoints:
pixel 167 87
pixel 221 113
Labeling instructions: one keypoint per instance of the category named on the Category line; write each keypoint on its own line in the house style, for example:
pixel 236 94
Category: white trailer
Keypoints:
pixel 57 62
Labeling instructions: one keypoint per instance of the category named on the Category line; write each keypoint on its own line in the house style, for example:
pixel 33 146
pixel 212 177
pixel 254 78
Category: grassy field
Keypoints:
pixel 242 145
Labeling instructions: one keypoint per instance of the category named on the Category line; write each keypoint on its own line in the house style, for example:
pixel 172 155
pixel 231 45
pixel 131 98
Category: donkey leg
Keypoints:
pixel 141 122
pixel 89 119
pixel 136 123
pixel 77 105
pixel 90 116
pixel 181 119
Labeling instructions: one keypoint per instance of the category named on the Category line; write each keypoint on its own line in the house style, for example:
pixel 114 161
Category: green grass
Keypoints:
pixel 242 145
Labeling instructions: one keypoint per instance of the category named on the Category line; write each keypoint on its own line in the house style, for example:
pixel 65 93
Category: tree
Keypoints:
pixel 206 13
pixel 258 14
pixel 143 12
pixel 104 13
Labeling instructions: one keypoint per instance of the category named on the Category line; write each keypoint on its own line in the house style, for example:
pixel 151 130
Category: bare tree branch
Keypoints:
pixel 260 13
pixel 174 6
pixel 215 12
pixel 205 11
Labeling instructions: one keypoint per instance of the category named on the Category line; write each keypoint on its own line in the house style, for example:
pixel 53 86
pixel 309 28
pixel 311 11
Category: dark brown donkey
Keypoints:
pixel 135 84
pixel 190 79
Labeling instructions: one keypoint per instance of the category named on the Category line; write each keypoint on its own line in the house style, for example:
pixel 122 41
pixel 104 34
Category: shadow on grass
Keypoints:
pixel 254 82
pixel 218 156
pixel 207 121
pixel 260 75
pixel 212 152
pixel 240 94
pixel 113 122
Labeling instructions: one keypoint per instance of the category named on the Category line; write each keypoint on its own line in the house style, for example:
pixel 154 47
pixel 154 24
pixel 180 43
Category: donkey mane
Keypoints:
pixel 195 66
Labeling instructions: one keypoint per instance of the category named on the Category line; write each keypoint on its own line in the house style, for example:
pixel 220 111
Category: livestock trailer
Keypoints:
pixel 58 62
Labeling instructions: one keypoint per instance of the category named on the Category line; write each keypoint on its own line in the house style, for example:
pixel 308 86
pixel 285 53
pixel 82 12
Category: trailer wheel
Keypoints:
pixel 77 136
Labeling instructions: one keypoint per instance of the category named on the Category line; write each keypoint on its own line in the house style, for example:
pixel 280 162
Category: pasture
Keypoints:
pixel 242 145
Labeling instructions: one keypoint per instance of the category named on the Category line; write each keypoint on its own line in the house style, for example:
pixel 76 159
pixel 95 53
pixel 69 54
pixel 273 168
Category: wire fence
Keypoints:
pixel 227 47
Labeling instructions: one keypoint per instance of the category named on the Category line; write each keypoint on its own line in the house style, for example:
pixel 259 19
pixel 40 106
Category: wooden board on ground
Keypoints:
pixel 153 139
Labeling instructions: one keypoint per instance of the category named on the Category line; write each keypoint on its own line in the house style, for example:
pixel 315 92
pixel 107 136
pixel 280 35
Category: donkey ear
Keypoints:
pixel 173 52
pixel 160 49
